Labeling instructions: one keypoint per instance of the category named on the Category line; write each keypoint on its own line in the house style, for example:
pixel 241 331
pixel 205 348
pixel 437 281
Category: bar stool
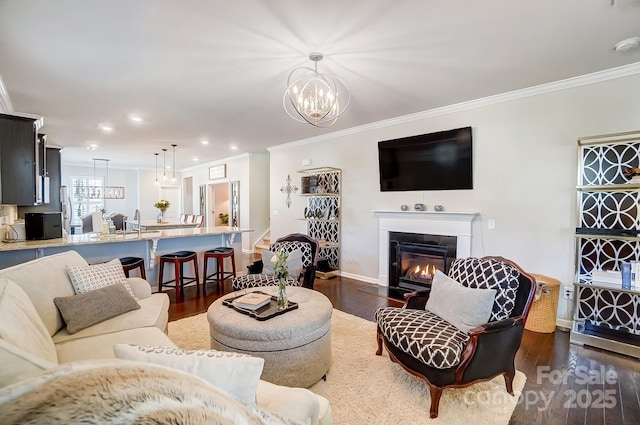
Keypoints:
pixel 178 259
pixel 219 254
pixel 132 263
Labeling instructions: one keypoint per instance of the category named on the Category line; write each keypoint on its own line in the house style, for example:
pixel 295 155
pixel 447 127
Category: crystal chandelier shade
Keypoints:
pixel 315 98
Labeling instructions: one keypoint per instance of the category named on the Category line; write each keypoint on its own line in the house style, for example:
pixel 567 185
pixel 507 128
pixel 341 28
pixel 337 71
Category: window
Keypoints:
pixel 83 205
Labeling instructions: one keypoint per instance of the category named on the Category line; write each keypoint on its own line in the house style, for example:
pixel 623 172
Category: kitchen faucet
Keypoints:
pixel 136 216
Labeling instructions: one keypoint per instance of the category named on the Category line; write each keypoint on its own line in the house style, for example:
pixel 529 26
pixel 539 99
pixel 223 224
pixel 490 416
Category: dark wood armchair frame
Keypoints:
pixel 309 273
pixel 490 352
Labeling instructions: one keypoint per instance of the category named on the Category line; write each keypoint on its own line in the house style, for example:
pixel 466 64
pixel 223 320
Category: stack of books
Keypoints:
pixel 252 301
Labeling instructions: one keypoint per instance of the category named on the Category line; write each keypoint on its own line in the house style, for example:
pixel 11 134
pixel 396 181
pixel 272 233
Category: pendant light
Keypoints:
pixel 100 192
pixel 315 98
pixel 173 179
pixel 164 168
pixel 156 154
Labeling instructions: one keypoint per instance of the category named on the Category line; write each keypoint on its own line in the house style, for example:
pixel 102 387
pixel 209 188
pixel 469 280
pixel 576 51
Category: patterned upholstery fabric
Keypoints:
pixel 95 276
pixel 289 246
pixel 256 280
pixel 489 274
pixel 422 335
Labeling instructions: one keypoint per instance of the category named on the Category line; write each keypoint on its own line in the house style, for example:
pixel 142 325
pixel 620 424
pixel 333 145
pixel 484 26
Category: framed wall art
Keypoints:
pixel 218 172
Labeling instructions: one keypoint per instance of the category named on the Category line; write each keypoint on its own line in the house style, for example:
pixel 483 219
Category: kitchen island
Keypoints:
pixel 148 244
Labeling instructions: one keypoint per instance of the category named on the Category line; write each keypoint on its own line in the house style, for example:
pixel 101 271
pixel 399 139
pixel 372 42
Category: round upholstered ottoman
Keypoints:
pixel 295 346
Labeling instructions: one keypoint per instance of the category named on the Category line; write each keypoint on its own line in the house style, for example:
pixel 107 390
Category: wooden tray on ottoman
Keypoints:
pixel 265 312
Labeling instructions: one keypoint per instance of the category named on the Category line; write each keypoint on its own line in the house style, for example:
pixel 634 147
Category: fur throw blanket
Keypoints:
pixel 123 392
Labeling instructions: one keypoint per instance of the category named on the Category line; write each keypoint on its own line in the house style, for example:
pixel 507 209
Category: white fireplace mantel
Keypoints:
pixel 425 222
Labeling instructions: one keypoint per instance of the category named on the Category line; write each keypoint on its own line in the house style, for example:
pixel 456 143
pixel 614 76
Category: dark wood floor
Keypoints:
pixel 566 384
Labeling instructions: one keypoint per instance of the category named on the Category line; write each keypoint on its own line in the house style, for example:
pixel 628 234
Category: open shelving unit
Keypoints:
pixel 605 314
pixel 321 187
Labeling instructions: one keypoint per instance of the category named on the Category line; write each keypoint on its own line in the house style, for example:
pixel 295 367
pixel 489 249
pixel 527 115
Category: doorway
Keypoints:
pixel 218 204
pixel 187 195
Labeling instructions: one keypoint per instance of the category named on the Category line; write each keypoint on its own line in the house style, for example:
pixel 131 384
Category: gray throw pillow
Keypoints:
pixel 84 310
pixel 294 262
pixel 465 308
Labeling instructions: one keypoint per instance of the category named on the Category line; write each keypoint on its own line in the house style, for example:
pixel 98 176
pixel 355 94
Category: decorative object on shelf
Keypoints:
pixel 100 192
pixel 281 273
pixel 404 207
pixel 419 207
pixel 288 189
pixel 218 172
pixel 162 205
pixel 438 208
pixel 632 172
pixel 314 98
pixel 224 218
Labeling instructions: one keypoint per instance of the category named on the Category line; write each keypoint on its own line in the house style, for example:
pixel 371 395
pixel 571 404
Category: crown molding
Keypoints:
pixel 596 77
pixel 218 161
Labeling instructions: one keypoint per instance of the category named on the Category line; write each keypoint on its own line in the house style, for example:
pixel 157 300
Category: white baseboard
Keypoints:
pixel 359 277
pixel 564 323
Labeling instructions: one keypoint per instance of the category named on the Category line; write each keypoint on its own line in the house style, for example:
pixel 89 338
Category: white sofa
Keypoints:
pixel 34 338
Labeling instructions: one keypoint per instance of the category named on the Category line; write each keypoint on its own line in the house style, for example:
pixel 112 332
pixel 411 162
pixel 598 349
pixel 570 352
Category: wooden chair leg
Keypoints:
pixel 204 275
pixel 379 339
pixel 436 393
pixel 161 276
pixel 176 271
pixel 508 380
pixel 195 266
pixel 233 264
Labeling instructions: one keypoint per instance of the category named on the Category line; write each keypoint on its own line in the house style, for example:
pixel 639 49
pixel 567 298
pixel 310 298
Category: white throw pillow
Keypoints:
pixel 237 374
pixel 465 308
pixel 294 262
pixel 89 278
pixel 21 325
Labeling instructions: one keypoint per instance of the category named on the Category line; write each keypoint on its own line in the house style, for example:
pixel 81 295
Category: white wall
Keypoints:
pixel 125 178
pixel 251 170
pixel 525 158
pixel 259 200
pixel 140 191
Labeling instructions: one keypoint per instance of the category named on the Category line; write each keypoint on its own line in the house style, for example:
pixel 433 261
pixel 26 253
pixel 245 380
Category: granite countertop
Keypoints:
pixel 129 236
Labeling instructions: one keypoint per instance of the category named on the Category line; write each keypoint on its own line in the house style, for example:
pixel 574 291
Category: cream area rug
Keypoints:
pixel 367 389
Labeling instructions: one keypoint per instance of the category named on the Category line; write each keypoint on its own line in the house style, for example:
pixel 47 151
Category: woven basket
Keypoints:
pixel 542 316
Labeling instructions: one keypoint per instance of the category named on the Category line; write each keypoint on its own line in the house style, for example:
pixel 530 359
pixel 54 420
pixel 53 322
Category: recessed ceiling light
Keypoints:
pixel 234 148
pixel 204 142
pixel 627 44
pixel 195 159
pixel 135 118
pixel 92 147
pixel 105 127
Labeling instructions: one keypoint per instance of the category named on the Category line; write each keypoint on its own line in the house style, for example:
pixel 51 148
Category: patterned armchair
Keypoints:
pixel 310 249
pixel 444 356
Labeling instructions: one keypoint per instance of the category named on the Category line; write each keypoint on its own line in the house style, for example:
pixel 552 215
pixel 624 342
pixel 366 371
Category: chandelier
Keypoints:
pixel 314 98
pixel 99 192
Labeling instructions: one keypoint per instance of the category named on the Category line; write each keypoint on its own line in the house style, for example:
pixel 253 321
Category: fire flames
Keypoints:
pixel 425 272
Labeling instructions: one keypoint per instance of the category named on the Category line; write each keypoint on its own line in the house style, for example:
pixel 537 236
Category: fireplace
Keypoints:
pixel 430 224
pixel 414 258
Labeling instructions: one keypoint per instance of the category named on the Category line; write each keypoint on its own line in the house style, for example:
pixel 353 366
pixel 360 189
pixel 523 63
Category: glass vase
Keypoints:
pixel 282 294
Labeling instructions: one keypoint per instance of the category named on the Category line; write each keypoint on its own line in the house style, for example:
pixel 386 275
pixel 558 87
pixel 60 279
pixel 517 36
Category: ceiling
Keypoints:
pixel 217 70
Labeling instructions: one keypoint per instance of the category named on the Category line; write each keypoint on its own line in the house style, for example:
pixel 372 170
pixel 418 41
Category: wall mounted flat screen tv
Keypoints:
pixel 434 161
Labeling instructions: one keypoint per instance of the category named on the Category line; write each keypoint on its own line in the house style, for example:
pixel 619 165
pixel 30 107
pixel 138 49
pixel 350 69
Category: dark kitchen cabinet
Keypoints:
pixel 54 172
pixel 22 161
